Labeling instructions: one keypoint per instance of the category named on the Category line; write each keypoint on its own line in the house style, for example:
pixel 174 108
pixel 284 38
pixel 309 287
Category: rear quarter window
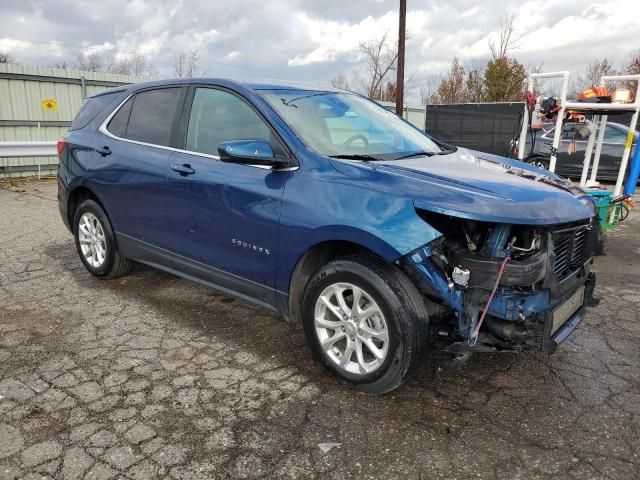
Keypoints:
pixel 90 108
pixel 119 122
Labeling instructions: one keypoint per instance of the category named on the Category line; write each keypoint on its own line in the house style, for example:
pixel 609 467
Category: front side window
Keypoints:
pixel 148 116
pixel 343 124
pixel 218 116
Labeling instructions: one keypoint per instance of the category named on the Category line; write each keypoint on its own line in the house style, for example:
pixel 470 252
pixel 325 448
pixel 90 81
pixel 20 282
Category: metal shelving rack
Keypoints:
pixel 601 111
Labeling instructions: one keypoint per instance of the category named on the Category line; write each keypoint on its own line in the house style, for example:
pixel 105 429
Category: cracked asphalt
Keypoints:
pixel 151 376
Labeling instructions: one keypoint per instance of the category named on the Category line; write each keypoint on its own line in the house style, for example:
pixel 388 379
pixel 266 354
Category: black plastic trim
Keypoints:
pixel 195 271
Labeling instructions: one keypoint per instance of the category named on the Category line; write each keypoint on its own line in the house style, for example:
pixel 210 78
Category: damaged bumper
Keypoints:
pixel 537 304
pixel 546 328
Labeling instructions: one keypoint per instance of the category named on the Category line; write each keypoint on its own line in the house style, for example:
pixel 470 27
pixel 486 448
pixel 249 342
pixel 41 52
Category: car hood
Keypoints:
pixel 477 186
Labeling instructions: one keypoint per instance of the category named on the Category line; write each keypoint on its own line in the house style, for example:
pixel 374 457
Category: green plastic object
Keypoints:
pixel 613 217
pixel 603 203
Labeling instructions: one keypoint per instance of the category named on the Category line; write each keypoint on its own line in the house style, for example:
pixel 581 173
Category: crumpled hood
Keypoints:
pixel 477 186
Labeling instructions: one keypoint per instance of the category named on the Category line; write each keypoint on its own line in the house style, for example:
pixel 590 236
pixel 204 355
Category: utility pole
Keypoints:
pixel 400 71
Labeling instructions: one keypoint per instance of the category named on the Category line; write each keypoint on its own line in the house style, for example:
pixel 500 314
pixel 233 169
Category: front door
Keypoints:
pixel 223 217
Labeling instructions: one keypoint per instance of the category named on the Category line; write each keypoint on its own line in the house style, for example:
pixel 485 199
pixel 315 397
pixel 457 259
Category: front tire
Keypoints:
pixel 364 322
pixel 96 243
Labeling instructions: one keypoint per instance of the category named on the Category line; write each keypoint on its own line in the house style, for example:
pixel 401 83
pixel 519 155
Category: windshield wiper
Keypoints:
pixel 356 156
pixel 289 103
pixel 422 153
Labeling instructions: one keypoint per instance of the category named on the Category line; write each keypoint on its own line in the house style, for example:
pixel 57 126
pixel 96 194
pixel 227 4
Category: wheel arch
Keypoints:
pixel 322 252
pixel 79 194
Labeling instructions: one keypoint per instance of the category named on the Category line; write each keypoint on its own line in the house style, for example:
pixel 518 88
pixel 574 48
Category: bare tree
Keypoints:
pixel 507 40
pixel 140 65
pixel 89 63
pixel 62 64
pixel 411 84
pixel 596 69
pixel 591 76
pixel 185 64
pixel 136 64
pixel 120 66
pixel 341 81
pixel 380 60
pixel 429 88
pixel 6 58
pixel 633 68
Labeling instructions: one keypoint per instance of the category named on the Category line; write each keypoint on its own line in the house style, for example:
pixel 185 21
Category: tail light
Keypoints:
pixel 60 145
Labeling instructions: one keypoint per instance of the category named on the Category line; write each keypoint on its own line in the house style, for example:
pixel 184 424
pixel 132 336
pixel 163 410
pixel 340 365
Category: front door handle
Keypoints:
pixel 104 151
pixel 184 169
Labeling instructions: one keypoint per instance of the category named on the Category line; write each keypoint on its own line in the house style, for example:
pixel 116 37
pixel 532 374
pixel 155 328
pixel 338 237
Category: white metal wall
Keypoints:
pixel 22 89
pixel 416 114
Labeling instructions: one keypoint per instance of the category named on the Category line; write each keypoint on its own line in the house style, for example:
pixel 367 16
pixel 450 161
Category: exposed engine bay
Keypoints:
pixel 503 286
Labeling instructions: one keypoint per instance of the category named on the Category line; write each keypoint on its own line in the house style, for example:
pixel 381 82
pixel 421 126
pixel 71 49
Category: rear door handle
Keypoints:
pixel 104 151
pixel 184 169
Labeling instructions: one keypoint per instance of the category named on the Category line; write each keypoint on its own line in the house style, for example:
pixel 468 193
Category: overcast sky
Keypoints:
pixel 312 40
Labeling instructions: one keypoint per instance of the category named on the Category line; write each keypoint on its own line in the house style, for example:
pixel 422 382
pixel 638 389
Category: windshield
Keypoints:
pixel 347 125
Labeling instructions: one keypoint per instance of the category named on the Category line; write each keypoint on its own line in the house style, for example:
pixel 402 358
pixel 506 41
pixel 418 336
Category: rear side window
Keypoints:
pixel 90 108
pixel 152 115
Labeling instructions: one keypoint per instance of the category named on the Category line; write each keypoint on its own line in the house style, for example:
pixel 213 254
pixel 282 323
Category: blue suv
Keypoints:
pixel 324 206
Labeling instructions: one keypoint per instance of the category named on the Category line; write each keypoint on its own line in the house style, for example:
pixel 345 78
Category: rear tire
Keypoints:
pixel 371 337
pixel 96 243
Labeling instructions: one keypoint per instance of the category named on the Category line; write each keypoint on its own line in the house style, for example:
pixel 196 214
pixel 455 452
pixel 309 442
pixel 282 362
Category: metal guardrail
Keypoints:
pixel 28 149
pixel 9 150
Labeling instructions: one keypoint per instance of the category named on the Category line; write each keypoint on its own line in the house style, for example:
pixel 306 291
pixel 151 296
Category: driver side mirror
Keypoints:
pixel 249 152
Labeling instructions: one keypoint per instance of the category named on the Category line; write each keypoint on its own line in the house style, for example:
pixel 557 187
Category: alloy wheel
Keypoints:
pixel 92 240
pixel 351 328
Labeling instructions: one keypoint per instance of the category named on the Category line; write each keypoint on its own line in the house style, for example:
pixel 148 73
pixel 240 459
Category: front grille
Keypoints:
pixel 570 249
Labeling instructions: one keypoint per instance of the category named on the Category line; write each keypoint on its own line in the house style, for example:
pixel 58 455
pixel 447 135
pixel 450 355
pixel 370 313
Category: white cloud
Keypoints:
pixel 335 40
pixel 99 49
pixel 313 40
pixel 598 23
pixel 332 39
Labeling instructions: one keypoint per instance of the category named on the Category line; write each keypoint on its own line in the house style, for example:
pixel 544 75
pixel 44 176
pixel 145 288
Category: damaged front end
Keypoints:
pixel 496 286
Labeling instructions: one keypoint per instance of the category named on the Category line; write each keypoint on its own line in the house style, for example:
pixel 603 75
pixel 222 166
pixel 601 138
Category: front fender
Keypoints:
pixel 346 209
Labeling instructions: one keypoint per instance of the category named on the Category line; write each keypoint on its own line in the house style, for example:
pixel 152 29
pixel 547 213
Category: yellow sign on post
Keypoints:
pixel 49 104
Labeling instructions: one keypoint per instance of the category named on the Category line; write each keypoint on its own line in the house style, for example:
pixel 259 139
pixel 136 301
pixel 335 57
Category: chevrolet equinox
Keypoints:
pixel 322 205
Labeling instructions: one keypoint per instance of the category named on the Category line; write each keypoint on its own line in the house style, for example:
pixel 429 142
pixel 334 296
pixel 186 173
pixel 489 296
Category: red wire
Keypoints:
pixel 493 292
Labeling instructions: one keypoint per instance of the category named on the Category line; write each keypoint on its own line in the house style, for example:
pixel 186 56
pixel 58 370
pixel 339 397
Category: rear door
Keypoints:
pixel 223 217
pixel 135 144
